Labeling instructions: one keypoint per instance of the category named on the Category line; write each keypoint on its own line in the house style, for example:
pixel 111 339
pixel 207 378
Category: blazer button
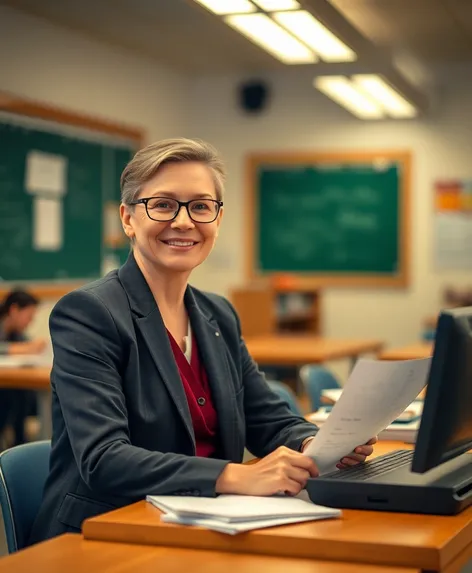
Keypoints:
pixel 201 401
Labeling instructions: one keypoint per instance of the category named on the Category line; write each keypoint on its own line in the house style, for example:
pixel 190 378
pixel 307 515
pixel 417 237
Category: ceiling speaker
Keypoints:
pixel 253 96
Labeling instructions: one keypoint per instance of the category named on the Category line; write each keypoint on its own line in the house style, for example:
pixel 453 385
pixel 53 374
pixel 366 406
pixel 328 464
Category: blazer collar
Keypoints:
pixel 139 294
pixel 210 343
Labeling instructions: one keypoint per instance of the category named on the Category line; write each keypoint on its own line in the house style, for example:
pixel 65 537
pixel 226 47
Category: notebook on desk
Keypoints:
pixel 435 477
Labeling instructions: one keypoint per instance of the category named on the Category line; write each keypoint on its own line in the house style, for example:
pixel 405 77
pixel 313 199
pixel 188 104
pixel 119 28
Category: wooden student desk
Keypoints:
pixel 410 352
pixel 430 543
pixel 297 350
pixel 32 378
pixel 73 554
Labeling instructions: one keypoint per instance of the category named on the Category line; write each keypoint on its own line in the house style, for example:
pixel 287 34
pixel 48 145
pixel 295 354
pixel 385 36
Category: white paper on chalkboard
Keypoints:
pixel 47 224
pixel 46 174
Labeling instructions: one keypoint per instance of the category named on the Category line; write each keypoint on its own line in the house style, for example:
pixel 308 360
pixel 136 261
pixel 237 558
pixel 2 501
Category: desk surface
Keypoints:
pixel 25 377
pixel 434 543
pixel 73 554
pixel 297 350
pixel 410 352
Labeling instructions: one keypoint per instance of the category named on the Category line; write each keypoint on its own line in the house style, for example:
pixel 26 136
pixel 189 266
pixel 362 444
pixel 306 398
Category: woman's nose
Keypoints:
pixel 183 220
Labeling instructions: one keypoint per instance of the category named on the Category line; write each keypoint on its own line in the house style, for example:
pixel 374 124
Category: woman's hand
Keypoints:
pixel 282 471
pixel 358 456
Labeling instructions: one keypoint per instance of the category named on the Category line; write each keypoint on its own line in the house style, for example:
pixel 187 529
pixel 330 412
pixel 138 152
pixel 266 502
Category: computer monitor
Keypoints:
pixel 446 423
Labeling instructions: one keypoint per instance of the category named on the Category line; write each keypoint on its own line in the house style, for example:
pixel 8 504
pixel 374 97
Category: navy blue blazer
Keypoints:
pixel 121 423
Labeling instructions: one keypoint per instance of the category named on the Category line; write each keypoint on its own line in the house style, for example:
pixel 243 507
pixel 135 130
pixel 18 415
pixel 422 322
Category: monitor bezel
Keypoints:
pixel 427 454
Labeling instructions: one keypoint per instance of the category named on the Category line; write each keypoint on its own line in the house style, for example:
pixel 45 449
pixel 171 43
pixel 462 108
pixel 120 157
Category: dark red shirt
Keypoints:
pixel 197 390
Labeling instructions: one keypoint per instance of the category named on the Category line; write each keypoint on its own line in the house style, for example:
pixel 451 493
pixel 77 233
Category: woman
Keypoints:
pixel 17 311
pixel 154 391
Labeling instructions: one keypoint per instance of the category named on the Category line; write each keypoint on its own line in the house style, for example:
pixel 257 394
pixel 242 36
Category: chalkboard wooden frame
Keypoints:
pixel 313 281
pixel 35 110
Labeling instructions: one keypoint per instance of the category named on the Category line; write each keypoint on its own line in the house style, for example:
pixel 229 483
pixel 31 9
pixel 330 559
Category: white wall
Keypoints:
pixel 298 118
pixel 56 66
pixel 43 61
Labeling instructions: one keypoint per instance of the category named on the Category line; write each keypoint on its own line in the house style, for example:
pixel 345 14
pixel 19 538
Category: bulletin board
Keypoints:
pixel 59 183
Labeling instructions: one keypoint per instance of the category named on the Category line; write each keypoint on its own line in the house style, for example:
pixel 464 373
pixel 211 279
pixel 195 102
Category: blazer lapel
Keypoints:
pixel 213 353
pixel 150 323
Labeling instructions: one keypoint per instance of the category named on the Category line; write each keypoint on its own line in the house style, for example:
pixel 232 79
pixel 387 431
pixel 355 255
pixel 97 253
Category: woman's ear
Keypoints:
pixel 126 216
pixel 218 221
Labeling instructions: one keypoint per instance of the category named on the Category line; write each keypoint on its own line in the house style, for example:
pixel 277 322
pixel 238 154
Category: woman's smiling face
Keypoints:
pixel 181 244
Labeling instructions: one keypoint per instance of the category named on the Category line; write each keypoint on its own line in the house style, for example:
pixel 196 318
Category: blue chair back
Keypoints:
pixel 286 394
pixel 23 473
pixel 315 379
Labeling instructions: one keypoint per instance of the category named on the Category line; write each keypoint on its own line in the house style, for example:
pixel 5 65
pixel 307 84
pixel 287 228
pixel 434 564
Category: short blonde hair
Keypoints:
pixel 147 161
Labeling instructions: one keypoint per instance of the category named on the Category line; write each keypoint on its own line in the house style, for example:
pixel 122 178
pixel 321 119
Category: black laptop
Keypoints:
pixel 435 477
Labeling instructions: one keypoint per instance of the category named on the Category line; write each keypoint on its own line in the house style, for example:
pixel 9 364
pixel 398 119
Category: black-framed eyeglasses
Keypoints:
pixel 164 209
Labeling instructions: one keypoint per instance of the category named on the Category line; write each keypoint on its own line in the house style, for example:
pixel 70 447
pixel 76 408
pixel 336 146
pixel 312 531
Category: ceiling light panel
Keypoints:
pixel 394 104
pixel 343 92
pixel 223 7
pixel 273 5
pixel 315 35
pixel 266 33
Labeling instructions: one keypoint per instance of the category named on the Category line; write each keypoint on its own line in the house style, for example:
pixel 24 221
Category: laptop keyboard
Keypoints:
pixel 375 467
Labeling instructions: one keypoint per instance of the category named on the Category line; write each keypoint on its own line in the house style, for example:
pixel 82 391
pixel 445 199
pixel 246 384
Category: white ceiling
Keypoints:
pixel 434 31
pixel 183 35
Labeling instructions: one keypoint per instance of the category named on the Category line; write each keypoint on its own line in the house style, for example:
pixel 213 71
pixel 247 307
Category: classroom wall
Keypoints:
pixel 299 118
pixel 57 66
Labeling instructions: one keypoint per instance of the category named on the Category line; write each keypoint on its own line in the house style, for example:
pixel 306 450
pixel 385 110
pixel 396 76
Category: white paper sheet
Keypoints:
pixel 47 224
pixel 232 514
pixel 376 393
pixel 25 360
pixel 239 508
pixel 240 527
pixel 46 174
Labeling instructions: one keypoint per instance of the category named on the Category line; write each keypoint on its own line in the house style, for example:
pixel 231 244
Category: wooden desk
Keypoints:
pixel 432 543
pixel 297 350
pixel 73 554
pixel 411 352
pixel 32 378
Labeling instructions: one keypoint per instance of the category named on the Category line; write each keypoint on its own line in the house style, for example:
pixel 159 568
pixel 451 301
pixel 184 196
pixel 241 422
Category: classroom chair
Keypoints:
pixel 286 394
pixel 315 379
pixel 23 473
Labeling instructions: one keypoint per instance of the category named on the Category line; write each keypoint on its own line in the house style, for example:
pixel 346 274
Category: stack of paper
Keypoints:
pixel 236 513
pixel 401 431
pixel 25 360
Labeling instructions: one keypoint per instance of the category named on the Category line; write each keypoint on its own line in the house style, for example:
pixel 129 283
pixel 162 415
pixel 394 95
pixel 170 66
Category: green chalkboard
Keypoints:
pixel 91 180
pixel 333 219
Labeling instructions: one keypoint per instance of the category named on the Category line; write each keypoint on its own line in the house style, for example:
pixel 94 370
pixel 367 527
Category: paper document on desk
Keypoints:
pixel 25 360
pixel 376 393
pixel 238 527
pixel 233 514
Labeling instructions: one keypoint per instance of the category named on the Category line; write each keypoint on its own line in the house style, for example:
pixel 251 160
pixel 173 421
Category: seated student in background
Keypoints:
pixel 17 311
pixel 153 389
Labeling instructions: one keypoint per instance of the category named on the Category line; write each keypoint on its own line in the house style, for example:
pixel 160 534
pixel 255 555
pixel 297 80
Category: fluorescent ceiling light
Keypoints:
pixel 342 91
pixel 222 7
pixel 273 5
pixel 312 32
pixel 263 31
pixel 393 103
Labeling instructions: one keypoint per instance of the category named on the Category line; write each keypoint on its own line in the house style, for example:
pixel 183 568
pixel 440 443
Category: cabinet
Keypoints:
pixel 265 309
